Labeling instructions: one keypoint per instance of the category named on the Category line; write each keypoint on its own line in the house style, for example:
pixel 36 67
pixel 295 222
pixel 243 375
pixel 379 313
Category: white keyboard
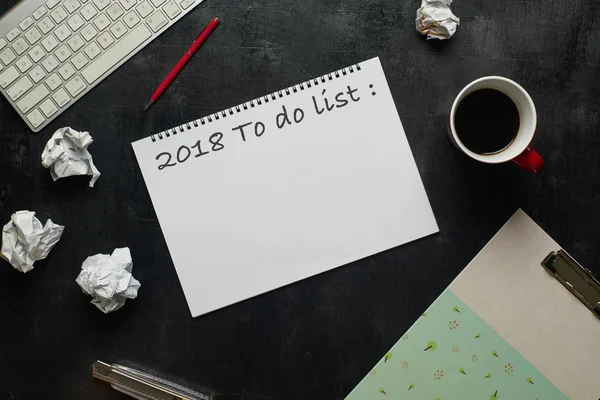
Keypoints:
pixel 53 52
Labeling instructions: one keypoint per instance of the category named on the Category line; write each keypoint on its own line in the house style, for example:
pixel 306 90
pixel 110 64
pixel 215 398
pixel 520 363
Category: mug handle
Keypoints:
pixel 530 161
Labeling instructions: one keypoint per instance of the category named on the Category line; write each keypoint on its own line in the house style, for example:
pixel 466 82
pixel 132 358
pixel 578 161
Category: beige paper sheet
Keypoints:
pixel 509 289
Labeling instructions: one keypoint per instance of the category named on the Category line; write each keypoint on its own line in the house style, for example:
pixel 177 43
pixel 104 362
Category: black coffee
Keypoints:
pixel 487 121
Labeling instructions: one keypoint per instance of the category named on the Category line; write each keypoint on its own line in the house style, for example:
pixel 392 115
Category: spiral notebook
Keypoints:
pixel 520 323
pixel 285 187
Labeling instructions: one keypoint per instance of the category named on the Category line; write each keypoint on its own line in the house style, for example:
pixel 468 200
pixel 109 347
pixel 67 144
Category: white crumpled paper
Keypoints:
pixel 108 279
pixel 436 20
pixel 25 240
pixel 66 155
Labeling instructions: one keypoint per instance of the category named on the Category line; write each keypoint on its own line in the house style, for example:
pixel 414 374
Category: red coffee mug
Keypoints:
pixel 518 151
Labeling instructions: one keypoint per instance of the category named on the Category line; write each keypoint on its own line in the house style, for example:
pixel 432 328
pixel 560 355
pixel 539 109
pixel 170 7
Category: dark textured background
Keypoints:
pixel 315 339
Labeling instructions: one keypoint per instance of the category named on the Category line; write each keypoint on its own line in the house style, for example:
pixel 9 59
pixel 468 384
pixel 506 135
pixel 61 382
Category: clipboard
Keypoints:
pixel 521 321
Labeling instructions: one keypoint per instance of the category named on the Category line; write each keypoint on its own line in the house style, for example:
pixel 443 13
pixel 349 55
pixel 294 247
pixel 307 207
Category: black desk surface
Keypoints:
pixel 315 339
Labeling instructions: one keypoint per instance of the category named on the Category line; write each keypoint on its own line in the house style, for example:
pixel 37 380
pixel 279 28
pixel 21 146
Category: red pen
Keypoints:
pixel 184 60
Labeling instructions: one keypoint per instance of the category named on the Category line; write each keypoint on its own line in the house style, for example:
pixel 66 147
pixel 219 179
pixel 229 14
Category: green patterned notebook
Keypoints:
pixel 451 353
pixel 465 345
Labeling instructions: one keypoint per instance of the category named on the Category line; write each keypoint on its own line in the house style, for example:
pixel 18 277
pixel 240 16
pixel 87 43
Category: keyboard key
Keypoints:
pixel 105 40
pixel 62 53
pixel 62 32
pixel 7 56
pixel 102 4
pixel 89 32
pixel 52 3
pixel 76 42
pixel 26 23
pixel 71 5
pixel 3 43
pixel 40 12
pixel 186 3
pixel 24 63
pixel 66 71
pixel 171 9
pixel 50 63
pixel 156 21
pixel 79 61
pixel 49 43
pixel 131 19
pixel 157 3
pixel 13 34
pixel 18 89
pixel 127 4
pixel 37 74
pixel 48 108
pixel 92 50
pixel 20 45
pixel 36 118
pixel 88 11
pixel 116 53
pixel 58 14
pixel 118 29
pixel 33 98
pixel 37 53
pixel 8 76
pixel 101 22
pixel 46 25
pixel 61 98
pixel 144 9
pixel 33 35
pixel 53 81
pixel 114 11
pixel 75 86
pixel 75 22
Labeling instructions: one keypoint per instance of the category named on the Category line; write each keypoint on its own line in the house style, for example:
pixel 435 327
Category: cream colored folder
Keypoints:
pixel 520 323
pixel 507 287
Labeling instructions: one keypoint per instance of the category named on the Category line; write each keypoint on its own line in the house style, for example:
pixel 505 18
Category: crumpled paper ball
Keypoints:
pixel 66 154
pixel 108 279
pixel 25 240
pixel 436 20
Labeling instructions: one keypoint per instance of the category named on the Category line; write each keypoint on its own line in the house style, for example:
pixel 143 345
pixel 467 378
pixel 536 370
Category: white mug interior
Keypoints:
pixel 527 118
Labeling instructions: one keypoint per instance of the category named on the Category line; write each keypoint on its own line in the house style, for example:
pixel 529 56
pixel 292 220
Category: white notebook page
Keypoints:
pixel 281 202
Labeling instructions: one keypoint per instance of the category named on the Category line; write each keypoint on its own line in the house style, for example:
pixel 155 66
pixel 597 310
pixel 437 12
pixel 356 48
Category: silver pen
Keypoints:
pixel 141 385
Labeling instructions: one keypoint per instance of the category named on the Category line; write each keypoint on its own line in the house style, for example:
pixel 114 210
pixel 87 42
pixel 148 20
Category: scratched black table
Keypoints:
pixel 315 339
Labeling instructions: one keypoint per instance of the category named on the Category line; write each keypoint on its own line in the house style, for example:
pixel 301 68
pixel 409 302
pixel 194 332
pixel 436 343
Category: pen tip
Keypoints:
pixel 148 105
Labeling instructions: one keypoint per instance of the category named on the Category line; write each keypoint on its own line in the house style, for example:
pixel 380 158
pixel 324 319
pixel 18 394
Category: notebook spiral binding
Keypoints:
pixel 256 102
